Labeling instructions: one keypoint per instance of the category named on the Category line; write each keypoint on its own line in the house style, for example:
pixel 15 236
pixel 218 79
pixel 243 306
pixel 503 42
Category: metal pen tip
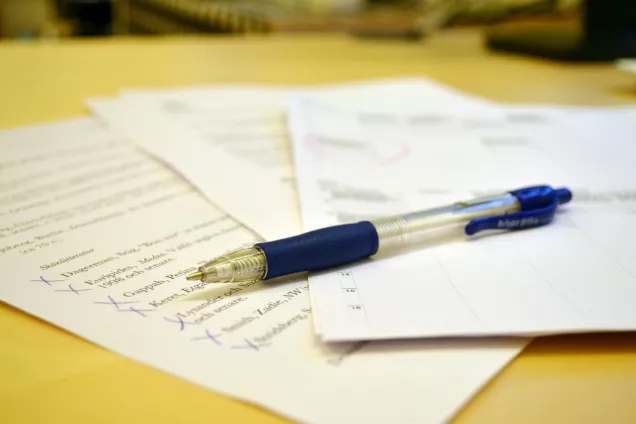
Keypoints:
pixel 195 276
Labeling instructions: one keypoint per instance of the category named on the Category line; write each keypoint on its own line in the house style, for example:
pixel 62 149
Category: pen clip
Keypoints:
pixel 538 207
pixel 514 221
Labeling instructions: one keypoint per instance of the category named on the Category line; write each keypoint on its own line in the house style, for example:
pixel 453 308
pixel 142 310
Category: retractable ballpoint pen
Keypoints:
pixel 342 244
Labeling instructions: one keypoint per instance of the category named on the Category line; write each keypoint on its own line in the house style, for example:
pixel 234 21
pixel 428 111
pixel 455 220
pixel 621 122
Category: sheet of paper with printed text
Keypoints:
pixel 97 237
pixel 575 275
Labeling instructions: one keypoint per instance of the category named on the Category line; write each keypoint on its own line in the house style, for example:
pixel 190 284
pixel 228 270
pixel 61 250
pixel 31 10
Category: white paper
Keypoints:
pixel 186 136
pixel 208 134
pixel 575 275
pixel 96 237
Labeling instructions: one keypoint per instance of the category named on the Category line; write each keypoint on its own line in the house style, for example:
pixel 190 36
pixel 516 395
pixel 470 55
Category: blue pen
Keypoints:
pixel 342 244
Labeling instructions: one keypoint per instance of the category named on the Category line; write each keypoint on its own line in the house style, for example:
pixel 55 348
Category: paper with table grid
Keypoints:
pixel 576 275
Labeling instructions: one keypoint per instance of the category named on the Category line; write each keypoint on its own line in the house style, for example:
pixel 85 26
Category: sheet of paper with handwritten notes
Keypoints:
pixel 96 237
pixel 575 275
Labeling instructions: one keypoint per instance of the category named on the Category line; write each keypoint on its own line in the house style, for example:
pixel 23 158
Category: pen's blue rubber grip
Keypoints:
pixel 320 249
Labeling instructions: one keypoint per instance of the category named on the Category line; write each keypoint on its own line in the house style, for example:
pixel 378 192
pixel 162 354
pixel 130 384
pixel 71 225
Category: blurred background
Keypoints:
pixel 28 19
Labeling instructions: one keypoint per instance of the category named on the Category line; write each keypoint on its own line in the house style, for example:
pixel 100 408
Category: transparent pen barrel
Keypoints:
pixel 242 265
pixel 432 224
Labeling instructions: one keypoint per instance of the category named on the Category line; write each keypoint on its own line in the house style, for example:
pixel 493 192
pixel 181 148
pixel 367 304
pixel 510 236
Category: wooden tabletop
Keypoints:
pixel 49 375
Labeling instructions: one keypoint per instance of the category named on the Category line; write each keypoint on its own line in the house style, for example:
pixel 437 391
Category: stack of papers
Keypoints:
pixel 578 275
pixel 103 217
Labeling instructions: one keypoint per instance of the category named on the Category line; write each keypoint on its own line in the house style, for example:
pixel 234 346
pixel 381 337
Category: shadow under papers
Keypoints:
pixel 584 344
pixel 442 343
pixel 617 347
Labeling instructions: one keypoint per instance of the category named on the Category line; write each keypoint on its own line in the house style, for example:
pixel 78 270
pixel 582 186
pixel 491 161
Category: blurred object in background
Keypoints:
pixel 604 31
pixel 414 19
pixel 90 18
pixel 438 14
pixel 27 19
pixel 364 17
pixel 260 16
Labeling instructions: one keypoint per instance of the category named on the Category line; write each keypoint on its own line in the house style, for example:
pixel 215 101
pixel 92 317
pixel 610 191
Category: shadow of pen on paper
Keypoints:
pixel 430 240
pixel 239 289
pixel 447 236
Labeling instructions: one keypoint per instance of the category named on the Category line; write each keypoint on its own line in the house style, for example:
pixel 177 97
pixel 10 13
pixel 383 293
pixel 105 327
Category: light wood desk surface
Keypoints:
pixel 48 375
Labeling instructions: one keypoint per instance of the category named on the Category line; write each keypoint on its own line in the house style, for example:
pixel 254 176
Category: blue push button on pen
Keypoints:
pixel 538 206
